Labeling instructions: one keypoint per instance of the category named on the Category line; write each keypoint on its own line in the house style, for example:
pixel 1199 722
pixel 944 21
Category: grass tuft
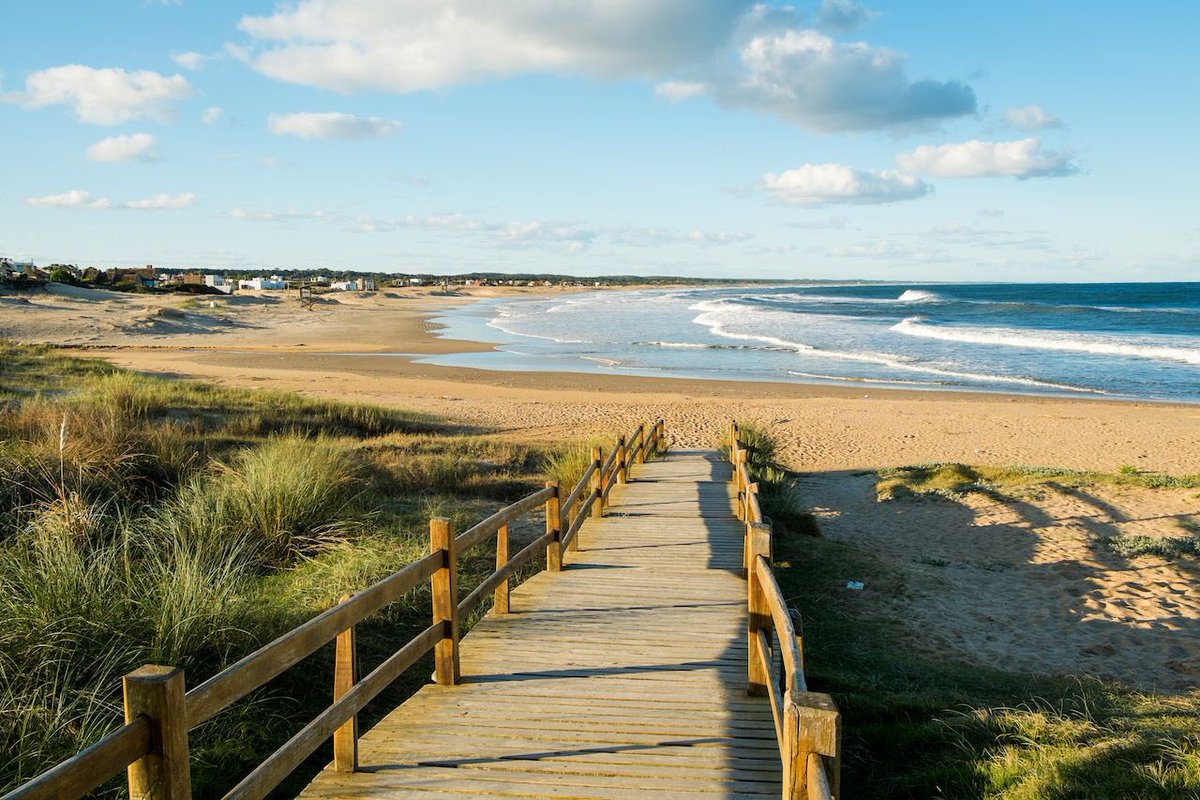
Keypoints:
pixel 778 493
pixel 1168 547
pixel 952 480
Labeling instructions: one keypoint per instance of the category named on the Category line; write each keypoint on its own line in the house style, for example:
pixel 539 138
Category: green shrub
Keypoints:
pixel 568 465
pixel 287 498
pixel 778 494
pixel 1170 547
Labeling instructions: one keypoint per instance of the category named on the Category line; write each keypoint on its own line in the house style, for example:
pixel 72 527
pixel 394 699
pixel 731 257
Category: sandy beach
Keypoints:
pixel 1032 585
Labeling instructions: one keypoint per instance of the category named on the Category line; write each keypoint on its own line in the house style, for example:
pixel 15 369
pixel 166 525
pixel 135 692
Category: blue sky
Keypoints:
pixel 719 138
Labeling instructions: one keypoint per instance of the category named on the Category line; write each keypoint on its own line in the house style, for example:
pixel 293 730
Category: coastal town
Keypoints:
pixel 18 273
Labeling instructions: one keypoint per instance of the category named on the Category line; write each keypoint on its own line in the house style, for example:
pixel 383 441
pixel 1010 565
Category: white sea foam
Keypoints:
pixel 855 379
pixel 919 296
pixel 1048 340
pixel 716 319
pixel 499 324
pixel 607 362
pixel 680 345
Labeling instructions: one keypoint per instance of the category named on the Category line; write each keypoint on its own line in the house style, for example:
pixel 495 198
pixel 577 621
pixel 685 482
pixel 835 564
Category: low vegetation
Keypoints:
pixel 777 494
pixel 153 521
pixel 920 724
pixel 955 480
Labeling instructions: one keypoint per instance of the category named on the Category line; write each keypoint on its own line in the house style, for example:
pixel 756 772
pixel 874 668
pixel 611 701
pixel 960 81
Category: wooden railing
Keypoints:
pixel 807 724
pixel 152 746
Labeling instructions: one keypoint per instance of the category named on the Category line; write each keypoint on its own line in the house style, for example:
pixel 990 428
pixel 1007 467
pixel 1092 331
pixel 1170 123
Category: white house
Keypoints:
pixel 343 286
pixel 218 282
pixel 258 284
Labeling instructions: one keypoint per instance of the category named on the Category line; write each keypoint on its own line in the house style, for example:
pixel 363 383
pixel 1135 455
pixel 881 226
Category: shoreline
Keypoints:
pixel 820 427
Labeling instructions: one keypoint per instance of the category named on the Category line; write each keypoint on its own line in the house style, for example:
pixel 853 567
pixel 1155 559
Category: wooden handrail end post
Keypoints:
pixel 622 468
pixel 811 725
pixel 597 489
pixel 554 529
pixel 164 773
pixel 345 675
pixel 500 601
pixel 444 586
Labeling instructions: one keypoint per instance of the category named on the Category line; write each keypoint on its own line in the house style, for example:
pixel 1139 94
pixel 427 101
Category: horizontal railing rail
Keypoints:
pixel 152 745
pixel 807 724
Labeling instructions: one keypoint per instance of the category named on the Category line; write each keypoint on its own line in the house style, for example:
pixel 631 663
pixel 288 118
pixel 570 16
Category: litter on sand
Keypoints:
pixel 855 585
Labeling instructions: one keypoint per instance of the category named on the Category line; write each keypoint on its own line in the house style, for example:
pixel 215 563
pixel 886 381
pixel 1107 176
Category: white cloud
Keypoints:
pixel 76 198
pixel 842 16
pixel 654 237
pixel 190 61
pixel 331 125
pixel 828 184
pixel 291 215
pixel 990 211
pixel 1023 158
pixel 680 90
pixel 809 78
pixel 1031 118
pixel 836 223
pixel 744 54
pixel 211 115
pixel 410 45
pixel 130 147
pixel 161 201
pixel 575 236
pixel 104 96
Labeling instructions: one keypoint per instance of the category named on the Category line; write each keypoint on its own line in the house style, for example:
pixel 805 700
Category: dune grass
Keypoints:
pixel 778 495
pixel 954 480
pixel 154 521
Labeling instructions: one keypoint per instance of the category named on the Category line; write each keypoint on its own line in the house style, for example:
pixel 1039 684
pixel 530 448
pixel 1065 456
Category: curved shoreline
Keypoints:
pixel 264 341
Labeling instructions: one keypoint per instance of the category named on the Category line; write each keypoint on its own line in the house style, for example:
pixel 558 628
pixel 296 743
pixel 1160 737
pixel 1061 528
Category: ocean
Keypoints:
pixel 1118 340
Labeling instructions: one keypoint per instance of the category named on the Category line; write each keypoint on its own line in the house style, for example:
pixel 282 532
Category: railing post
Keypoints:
pixel 500 598
pixel 758 544
pixel 622 468
pixel 345 675
pixel 741 481
pixel 747 559
pixel 444 586
pixel 641 437
pixel 812 726
pixel 597 488
pixel 554 528
pixel 164 773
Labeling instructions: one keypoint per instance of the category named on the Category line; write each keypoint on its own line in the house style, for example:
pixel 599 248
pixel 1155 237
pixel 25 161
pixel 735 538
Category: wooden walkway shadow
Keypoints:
pixel 623 675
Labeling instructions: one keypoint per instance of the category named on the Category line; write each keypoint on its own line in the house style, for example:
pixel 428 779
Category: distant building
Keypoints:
pixel 259 284
pixel 218 282
pixel 366 284
pixel 344 286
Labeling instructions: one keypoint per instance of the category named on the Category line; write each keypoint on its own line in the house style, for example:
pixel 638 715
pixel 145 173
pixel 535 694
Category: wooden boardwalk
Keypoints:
pixel 623 675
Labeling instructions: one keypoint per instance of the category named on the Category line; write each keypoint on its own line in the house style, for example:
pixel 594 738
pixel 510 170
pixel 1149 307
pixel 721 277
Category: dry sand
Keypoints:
pixel 1025 585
